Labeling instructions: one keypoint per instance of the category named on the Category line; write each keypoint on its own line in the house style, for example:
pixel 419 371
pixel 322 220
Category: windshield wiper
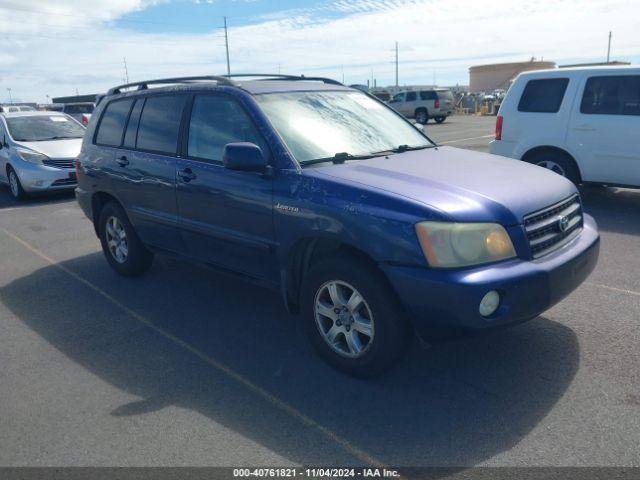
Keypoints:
pixel 340 157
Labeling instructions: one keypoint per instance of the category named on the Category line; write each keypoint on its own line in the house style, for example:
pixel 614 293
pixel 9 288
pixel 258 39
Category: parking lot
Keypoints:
pixel 185 366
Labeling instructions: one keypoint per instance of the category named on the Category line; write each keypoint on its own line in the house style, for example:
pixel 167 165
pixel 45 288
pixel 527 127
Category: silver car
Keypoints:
pixel 38 150
pixel 437 103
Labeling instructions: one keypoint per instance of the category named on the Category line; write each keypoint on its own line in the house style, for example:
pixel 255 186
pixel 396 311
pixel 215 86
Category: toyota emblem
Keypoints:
pixel 563 223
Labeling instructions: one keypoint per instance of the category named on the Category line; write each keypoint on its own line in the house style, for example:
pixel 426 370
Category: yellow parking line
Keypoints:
pixel 275 401
pixel 615 289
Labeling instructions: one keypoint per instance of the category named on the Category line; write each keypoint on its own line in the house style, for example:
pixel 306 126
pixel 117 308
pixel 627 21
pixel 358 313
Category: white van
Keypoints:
pixel 583 123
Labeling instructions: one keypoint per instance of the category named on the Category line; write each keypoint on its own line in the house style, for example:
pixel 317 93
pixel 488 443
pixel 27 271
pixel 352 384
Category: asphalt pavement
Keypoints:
pixel 185 366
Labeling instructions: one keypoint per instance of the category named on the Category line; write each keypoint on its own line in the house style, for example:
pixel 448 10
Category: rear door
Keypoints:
pixel 604 131
pixel 410 104
pixel 225 215
pixel 144 165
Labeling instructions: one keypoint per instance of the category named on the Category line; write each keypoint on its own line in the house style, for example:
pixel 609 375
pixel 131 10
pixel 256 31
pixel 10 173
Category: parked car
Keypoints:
pixel 80 111
pixel 16 108
pixel 37 151
pixel 424 104
pixel 337 202
pixel 582 123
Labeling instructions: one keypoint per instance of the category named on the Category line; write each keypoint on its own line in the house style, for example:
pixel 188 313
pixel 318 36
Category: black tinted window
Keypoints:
pixel 429 95
pixel 544 96
pixel 411 96
pixel 112 123
pixel 216 121
pixel 617 95
pixel 132 126
pixel 160 122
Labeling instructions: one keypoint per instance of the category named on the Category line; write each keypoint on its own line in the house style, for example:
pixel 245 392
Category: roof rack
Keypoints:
pixel 222 80
pixel 277 76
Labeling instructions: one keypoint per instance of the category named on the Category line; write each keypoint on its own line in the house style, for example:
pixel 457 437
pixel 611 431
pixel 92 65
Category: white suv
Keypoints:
pixel 583 123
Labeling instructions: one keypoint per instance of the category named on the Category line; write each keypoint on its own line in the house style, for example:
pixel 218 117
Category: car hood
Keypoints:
pixel 465 185
pixel 68 148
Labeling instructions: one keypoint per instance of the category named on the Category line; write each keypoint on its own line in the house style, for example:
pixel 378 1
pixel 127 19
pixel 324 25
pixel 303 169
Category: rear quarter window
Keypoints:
pixel 112 123
pixel 543 95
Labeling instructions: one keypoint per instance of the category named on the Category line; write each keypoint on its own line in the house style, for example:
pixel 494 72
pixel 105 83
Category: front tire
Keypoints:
pixel 121 245
pixel 440 119
pixel 14 185
pixel 556 162
pixel 352 316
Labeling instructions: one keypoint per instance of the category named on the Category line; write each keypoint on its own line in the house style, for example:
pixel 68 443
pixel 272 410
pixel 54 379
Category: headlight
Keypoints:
pixel 31 156
pixel 448 244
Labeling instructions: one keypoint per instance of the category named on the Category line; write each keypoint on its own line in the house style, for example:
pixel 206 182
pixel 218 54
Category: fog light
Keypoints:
pixel 489 303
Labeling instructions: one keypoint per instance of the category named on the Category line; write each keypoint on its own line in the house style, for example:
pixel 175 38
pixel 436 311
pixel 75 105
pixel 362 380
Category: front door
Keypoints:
pixel 603 134
pixel 225 216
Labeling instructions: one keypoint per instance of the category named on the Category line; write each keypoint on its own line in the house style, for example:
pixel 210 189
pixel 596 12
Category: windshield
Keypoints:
pixel 319 124
pixel 85 108
pixel 43 127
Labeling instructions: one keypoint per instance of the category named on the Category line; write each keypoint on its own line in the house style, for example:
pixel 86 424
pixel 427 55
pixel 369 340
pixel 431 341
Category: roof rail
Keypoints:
pixel 278 76
pixel 222 80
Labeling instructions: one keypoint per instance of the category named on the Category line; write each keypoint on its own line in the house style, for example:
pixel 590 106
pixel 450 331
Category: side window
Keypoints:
pixel 411 96
pixel 398 97
pixel 428 95
pixel 543 96
pixel 112 123
pixel 215 121
pixel 132 125
pixel 160 123
pixel 612 95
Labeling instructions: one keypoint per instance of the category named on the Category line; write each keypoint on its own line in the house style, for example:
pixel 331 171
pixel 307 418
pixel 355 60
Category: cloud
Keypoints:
pixel 54 49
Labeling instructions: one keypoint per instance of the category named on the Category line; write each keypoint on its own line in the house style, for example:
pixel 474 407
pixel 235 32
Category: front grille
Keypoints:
pixel 59 162
pixel 552 227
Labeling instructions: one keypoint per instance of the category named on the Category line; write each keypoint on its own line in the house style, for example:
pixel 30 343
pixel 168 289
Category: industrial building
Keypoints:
pixel 498 76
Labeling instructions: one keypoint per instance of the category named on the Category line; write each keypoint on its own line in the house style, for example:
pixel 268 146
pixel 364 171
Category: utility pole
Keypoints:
pixel 10 98
pixel 609 48
pixel 396 64
pixel 126 72
pixel 226 44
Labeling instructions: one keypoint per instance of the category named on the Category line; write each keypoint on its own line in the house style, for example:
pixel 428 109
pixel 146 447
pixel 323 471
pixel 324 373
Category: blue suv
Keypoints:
pixel 330 197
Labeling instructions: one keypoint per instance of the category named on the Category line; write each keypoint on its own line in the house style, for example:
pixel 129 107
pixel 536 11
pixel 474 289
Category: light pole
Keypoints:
pixel 10 98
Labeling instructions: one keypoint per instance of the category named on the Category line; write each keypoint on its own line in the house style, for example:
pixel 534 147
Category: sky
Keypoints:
pixel 60 47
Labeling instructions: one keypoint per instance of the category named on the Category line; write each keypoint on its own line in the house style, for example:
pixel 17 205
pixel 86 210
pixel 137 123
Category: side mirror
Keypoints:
pixel 244 156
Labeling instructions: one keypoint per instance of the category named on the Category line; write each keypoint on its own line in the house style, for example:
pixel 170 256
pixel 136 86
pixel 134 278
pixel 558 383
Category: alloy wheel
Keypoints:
pixel 553 166
pixel 117 239
pixel 13 184
pixel 344 319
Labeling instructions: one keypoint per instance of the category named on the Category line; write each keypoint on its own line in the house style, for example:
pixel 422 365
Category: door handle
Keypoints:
pixel 123 161
pixel 187 175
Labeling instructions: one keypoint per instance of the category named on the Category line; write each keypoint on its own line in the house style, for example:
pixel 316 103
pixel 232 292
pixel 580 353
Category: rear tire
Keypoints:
pixel 14 184
pixel 121 245
pixel 373 322
pixel 440 119
pixel 557 162
pixel 422 116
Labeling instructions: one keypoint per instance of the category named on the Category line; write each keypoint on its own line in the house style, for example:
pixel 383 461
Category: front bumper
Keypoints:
pixel 40 178
pixel 444 303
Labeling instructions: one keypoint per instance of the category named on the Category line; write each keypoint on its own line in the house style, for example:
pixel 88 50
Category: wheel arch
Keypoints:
pixel 305 253
pixel 526 156
pixel 98 201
